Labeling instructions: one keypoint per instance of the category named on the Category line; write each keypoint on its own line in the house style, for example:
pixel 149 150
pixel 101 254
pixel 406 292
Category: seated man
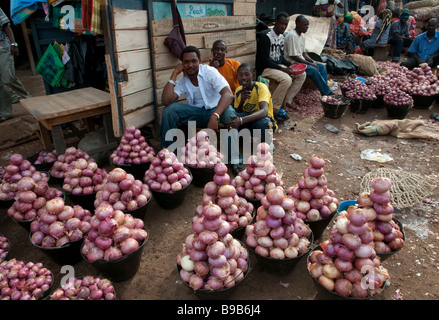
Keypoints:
pixel 209 100
pixel 271 64
pixel 399 35
pixel 227 67
pixel 253 105
pixel 295 52
pixel 425 47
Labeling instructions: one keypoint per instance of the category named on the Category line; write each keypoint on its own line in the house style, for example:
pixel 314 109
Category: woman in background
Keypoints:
pixel 345 40
pixel 380 33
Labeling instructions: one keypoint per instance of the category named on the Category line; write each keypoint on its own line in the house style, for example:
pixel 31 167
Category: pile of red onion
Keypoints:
pixel 83 177
pixel 351 84
pixel 58 224
pixel 199 152
pixel 133 148
pixel 23 281
pixel 236 211
pixel 380 88
pixel 361 92
pixel 17 169
pixel 4 247
pixel 166 173
pixel 123 191
pixel 277 232
pixel 113 234
pixel 63 161
pixel 45 157
pixel 86 288
pixel 422 74
pixel 313 200
pixel 32 196
pixel 377 204
pixel 211 258
pixel 259 176
pixel 332 100
pixel 348 264
pixel 398 98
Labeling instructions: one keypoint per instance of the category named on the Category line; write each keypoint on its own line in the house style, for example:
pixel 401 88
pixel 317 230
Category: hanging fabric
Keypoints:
pixel 176 40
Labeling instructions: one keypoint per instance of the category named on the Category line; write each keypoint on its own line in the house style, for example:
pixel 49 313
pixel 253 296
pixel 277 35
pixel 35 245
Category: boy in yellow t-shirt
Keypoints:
pixel 253 105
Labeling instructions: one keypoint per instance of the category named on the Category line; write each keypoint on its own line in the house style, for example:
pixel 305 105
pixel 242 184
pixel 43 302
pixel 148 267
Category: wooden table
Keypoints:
pixel 51 111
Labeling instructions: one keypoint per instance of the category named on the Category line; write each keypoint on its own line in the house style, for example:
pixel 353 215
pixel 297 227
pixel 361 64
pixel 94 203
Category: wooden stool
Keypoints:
pixel 53 110
pixel 380 52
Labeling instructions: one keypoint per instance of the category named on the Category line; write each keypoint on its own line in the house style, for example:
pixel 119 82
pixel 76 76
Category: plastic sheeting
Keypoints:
pixel 21 9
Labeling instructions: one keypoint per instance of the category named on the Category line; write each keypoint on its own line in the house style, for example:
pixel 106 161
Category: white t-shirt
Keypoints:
pixel 319 2
pixel 294 44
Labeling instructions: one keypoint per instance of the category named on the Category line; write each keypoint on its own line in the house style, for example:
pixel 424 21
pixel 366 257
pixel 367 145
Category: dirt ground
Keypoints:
pixel 413 271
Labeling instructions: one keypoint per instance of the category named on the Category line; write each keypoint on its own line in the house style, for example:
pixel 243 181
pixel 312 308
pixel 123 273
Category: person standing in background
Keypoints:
pixel 8 51
pixel 227 67
pixel 340 12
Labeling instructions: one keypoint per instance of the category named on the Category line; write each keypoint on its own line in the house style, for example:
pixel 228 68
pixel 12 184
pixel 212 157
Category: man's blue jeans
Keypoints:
pixel 398 44
pixel 178 113
pixel 262 124
pixel 319 77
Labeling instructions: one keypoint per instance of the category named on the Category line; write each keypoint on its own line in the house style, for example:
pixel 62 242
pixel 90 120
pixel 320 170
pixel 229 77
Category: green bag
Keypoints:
pixel 51 67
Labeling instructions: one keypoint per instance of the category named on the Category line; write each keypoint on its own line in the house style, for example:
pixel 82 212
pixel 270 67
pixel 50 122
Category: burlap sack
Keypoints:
pixel 367 66
pixel 420 4
pixel 403 129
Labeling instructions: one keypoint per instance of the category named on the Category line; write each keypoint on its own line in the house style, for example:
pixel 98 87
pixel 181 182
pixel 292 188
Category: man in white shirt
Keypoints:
pixel 209 100
pixel 295 52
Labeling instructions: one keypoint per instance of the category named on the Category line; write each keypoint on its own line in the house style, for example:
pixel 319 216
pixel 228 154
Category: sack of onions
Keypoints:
pixel 59 224
pixel 168 179
pixel 236 210
pixel 113 235
pixel 211 259
pixel 199 152
pixel 24 281
pixel 31 196
pixel 277 233
pixel 17 169
pixel 86 288
pixel 4 247
pixel 133 149
pixel 348 264
pixel 83 177
pixel 61 165
pixel 388 234
pixel 259 176
pixel 123 191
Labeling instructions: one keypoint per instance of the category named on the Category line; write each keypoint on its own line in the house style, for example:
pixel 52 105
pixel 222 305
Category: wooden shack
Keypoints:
pixel 139 64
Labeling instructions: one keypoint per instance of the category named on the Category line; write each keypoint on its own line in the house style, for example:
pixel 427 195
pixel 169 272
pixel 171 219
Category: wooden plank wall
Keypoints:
pixel 238 31
pixel 132 58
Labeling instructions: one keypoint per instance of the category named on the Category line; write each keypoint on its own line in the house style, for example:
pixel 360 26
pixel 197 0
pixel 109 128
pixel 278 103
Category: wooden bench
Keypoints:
pixel 51 111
